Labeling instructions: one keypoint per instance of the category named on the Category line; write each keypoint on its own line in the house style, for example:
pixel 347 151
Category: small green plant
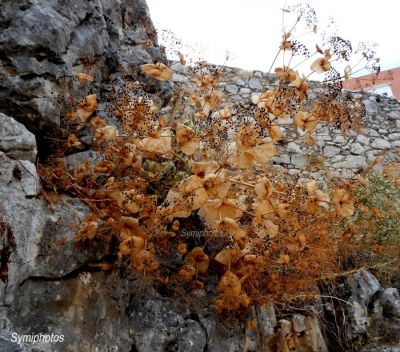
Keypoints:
pixel 376 223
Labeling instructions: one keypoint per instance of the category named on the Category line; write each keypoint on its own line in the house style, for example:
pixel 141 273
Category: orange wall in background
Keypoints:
pixel 391 77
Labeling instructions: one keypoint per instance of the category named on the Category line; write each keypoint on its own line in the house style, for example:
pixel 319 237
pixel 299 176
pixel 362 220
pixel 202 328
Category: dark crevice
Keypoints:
pixel 87 267
pixel 134 349
pixel 6 236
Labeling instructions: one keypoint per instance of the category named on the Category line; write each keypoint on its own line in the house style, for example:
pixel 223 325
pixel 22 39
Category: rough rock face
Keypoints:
pixel 44 43
pixel 15 140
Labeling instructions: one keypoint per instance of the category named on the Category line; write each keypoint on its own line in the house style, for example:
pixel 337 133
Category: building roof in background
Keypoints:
pixel 387 81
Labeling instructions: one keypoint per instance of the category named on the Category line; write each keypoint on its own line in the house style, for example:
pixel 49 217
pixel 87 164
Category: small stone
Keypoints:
pixel 371 155
pixel 292 147
pixel 352 162
pixel 179 78
pixel 299 160
pixel 339 139
pixel 255 83
pixel 371 107
pixel 237 98
pixel 244 91
pixel 394 136
pixel 316 175
pixel 293 172
pixel 282 159
pixel 363 139
pixel 373 132
pixel 336 158
pixel 393 115
pixel 238 81
pixel 377 168
pixel 330 151
pixel 231 89
pixel 357 149
pixel 380 143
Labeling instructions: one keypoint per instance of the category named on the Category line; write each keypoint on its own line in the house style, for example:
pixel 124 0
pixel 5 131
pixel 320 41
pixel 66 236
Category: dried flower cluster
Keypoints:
pixel 208 162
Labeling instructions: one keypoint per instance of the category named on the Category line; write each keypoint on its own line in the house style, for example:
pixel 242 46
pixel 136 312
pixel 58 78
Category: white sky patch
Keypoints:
pixel 250 30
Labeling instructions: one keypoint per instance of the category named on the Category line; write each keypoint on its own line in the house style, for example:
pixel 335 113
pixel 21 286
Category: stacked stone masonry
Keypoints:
pixel 332 155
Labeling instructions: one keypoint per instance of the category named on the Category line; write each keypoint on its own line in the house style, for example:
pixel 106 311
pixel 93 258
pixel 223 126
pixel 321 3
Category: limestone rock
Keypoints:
pixel 352 162
pixel 371 106
pixel 330 151
pixel 380 143
pixel 15 140
pixel 357 149
pixel 231 89
pixel 362 139
pixel 394 115
pixel 294 148
pixel 299 161
pixel 255 83
pixel 44 42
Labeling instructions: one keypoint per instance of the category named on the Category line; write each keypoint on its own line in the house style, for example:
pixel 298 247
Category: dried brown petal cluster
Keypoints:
pixel 204 166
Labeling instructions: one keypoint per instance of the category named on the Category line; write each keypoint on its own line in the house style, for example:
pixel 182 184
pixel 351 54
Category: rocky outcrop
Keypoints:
pixel 16 141
pixel 44 44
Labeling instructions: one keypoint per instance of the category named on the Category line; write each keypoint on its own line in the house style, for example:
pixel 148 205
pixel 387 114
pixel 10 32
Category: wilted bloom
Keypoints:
pixel 322 64
pixel 73 141
pixel 309 138
pixel 300 83
pixel 223 114
pixel 283 259
pixel 159 142
pixel 206 81
pixel 261 153
pixel 343 203
pixel 285 44
pixel 158 71
pixel 275 132
pixel 230 284
pixel 210 101
pixel 84 77
pixel 216 185
pixel 264 212
pixel 129 200
pixel 86 107
pixel 263 100
pixel 230 227
pixel 187 139
pixel 317 198
pixel 229 256
pixel 285 73
pixel 198 260
pixel 105 133
pixel 188 195
pixel 217 209
pixel 305 121
pixel 263 188
pixel 202 168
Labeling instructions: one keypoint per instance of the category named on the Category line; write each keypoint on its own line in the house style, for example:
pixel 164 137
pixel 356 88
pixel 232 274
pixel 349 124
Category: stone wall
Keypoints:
pixel 332 155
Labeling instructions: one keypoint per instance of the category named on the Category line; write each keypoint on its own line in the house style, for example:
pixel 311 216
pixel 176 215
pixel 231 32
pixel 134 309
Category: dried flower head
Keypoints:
pixel 158 71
